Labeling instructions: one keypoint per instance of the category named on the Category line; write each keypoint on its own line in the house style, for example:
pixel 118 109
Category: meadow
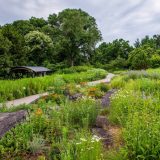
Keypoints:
pixel 135 108
pixel 60 128
pixel 56 126
pixel 14 89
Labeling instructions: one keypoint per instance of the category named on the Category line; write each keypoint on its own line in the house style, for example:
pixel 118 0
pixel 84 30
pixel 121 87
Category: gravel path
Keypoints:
pixel 31 99
pixel 106 80
pixel 25 100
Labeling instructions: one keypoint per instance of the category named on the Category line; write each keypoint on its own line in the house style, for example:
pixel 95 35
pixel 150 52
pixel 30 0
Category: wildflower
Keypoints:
pixel 93 89
pixel 83 83
pixel 39 112
pixel 55 95
pixel 91 94
pixel 96 138
pixel 83 139
pixel 78 143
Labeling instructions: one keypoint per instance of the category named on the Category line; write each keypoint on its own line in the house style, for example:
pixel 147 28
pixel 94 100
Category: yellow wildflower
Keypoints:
pixel 39 112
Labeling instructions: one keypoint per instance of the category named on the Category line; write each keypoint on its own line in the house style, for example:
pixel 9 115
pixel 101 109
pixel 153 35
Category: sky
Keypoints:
pixel 127 19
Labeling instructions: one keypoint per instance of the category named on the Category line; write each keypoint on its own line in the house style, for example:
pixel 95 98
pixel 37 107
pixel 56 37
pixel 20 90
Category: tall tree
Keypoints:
pixel 107 52
pixel 78 35
pixel 140 58
pixel 5 56
pixel 23 26
pixel 38 23
pixel 17 49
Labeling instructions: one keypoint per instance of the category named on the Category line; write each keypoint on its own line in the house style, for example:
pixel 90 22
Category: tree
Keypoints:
pixel 17 49
pixel 38 22
pixel 5 57
pixel 107 52
pixel 23 26
pixel 39 47
pixel 139 58
pixel 78 35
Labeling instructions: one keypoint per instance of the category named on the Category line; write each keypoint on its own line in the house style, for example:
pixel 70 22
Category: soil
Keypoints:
pixel 110 135
pixel 105 102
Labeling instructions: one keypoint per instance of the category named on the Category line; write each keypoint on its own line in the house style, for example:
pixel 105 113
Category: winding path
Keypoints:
pixel 106 80
pixel 31 99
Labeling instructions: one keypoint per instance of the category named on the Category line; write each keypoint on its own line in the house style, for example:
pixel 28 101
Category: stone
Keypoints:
pixel 105 137
pixel 9 120
pixel 105 102
pixel 75 96
pixel 101 121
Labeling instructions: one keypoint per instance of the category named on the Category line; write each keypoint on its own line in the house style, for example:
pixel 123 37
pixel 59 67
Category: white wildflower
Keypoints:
pixel 78 143
pixel 83 139
pixel 96 138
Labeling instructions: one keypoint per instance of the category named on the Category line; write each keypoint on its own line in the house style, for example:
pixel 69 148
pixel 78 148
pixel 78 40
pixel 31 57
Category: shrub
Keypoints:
pixel 37 144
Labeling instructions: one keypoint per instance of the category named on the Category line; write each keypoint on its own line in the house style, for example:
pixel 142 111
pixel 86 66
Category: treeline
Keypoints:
pixel 119 54
pixel 69 38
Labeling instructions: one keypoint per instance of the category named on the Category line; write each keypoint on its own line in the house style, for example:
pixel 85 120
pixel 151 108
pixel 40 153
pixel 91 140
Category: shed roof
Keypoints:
pixel 31 68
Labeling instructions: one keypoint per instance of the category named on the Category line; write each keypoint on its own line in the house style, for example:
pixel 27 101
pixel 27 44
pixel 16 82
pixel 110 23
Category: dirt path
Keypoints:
pixel 31 99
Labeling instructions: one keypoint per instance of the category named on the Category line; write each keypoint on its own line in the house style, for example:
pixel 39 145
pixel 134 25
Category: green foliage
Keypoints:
pixel 112 53
pixel 12 49
pixel 39 47
pixel 155 61
pixel 23 26
pixel 80 33
pixel 140 58
pixel 118 63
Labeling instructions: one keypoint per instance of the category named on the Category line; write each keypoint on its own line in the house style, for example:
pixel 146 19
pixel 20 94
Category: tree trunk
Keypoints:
pixel 72 62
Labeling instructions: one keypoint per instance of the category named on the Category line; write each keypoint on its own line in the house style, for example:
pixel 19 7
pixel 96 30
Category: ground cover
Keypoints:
pixel 58 126
pixel 135 108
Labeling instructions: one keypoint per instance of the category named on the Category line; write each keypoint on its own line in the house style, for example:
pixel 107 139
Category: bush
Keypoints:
pixel 139 58
pixel 119 63
pixel 155 61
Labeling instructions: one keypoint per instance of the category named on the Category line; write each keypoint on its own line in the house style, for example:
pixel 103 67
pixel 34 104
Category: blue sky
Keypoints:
pixel 128 19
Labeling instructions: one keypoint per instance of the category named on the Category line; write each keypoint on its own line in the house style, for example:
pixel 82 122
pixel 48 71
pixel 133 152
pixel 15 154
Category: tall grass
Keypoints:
pixel 136 108
pixel 65 130
pixel 13 89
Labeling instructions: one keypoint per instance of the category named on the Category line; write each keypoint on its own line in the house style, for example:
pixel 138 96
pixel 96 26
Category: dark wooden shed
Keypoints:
pixel 28 71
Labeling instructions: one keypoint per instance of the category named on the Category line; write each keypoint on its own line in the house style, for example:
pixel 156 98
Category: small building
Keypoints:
pixel 28 71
